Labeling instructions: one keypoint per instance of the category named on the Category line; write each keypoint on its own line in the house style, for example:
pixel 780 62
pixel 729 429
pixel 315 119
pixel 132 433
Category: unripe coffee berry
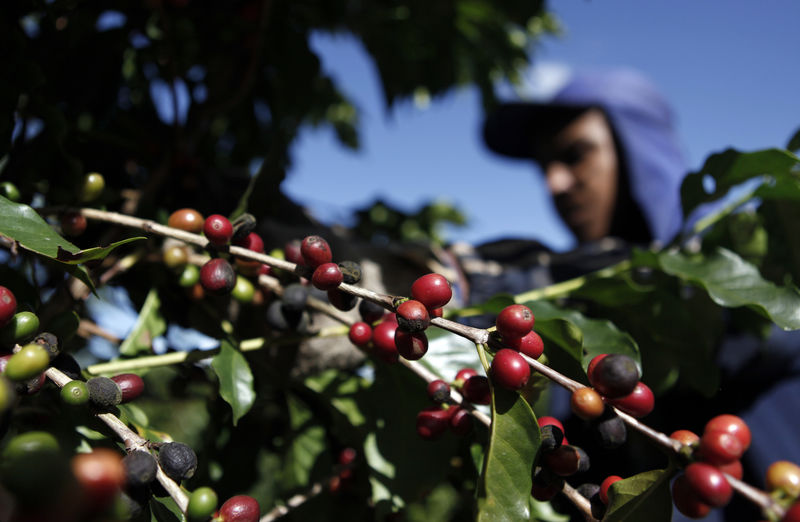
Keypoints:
pixel 784 475
pixel 514 321
pixel 586 403
pixel 360 334
pixel 131 385
pixel 241 508
pixel 8 305
pixel 412 316
pixel 186 219
pixel 615 375
pixel 315 251
pixel 217 277
pixel 432 290
pixel 103 392
pixel 92 186
pixel 509 369
pixel 327 276
pixel 140 468
pixel 411 346
pixel 10 191
pixel 21 327
pixel 178 460
pixel 27 363
pixel 243 291
pixel 530 344
pixel 218 230
pixel 202 503
pixel 75 393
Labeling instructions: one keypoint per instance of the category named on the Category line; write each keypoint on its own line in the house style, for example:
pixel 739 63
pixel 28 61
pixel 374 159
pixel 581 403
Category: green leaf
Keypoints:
pixel 307 444
pixel 794 142
pixel 731 282
pixel 149 325
pixel 340 391
pixel 91 254
pixel 645 496
pixel 165 510
pixel 24 225
pixel 504 490
pixel 235 379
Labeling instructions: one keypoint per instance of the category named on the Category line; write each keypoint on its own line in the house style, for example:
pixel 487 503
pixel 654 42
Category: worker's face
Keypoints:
pixel 580 163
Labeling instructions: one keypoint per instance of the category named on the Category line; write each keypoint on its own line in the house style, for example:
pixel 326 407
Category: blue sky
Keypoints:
pixel 729 69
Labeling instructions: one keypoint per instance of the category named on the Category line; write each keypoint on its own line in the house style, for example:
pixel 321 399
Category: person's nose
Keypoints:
pixel 559 178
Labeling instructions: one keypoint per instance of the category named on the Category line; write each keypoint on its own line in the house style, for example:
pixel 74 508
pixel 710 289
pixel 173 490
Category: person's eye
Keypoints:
pixel 575 154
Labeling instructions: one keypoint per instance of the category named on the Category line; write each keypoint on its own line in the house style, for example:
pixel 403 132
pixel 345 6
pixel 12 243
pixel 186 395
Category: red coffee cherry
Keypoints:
pixel 637 403
pixel 347 456
pixel 315 251
pixel 605 485
pixel 586 403
pixel 593 364
pixel 218 230
pixel 464 374
pixel 686 500
pixel 327 276
pixel 132 385
pixel 291 251
pixel 784 475
pixel 709 484
pixel 411 346
pixel 734 469
pixel 438 391
pixel 100 474
pixel 360 334
pixel 8 305
pixel 530 344
pixel 514 321
pixel 241 508
pixel 460 420
pixel 733 425
pixel 251 241
pixel 615 375
pixel 412 316
pixel 685 437
pixel 217 277
pixel 720 447
pixel 792 514
pixel 566 460
pixel 73 224
pixel 432 290
pixel 546 420
pixel 476 390
pixel 383 341
pixel 187 219
pixel 432 422
pixel 509 369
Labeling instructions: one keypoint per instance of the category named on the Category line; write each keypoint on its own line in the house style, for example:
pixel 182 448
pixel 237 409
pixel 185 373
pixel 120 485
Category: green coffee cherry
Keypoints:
pixel 30 442
pixel 22 327
pixel 7 394
pixel 189 276
pixel 33 469
pixel 92 187
pixel 10 191
pixel 29 362
pixel 75 393
pixel 202 503
pixel 244 290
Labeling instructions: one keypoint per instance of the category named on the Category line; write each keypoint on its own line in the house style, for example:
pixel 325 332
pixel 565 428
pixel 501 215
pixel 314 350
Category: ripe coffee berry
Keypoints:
pixel 733 425
pixel 686 500
pixel 241 508
pixel 605 485
pixel 73 224
pixel 530 344
pixel 720 447
pixel 476 390
pixel 370 311
pixel 438 391
pixel 509 369
pixel 566 460
pixel 411 346
pixel 100 474
pixel 383 340
pixel 186 219
pixel 615 376
pixel 218 277
pixel 218 230
pixel 360 334
pixel 178 460
pixel 315 251
pixel 432 290
pixel 8 305
pixel 546 420
pixel 514 321
pixel 132 385
pixel 460 421
pixel 432 422
pixel 327 276
pixel 709 484
pixel 734 469
pixel 251 241
pixel 586 403
pixel 291 251
pixel 685 437
pixel 412 316
pixel 464 374
pixel 637 403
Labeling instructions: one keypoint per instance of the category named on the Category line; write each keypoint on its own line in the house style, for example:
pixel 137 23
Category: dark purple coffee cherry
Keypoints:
pixel 178 460
pixel 140 468
pixel 218 277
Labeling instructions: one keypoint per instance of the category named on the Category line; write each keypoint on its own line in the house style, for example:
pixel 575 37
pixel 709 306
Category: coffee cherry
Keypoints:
pixel 412 316
pixel 530 344
pixel 586 403
pixel 175 256
pixel 552 437
pixel 609 430
pixel 460 421
pixel 734 469
pixel 438 391
pixel 370 311
pixel 217 277
pixel 241 508
pixel 315 251
pixel 593 364
pixel 189 276
pixel 360 334
pixel 187 219
pixel 784 475
pixel 20 328
pixel 28 443
pixel 243 291
pixel 616 375
pixel 49 342
pixel 637 403
pixel 282 318
pixel 464 374
pixel 351 271
pixel 720 447
pixel 73 224
pixel 509 369
pixel 546 420
pixel 605 485
pixel 100 474
pixel 546 484
pixel 326 276
pixel 177 460
pixel 218 230
pixel 75 393
pixel 92 186
pixel 24 387
pixel 476 390
pixel 383 340
pixel 792 514
pixel 251 241
pixel 295 297
pixel 709 484
pixel 514 321
pixel 432 290
pixel 130 384
pixel 411 346
pixel 685 437
pixel 733 425
pixel 8 305
pixel 140 468
pixel 292 252
pixel 566 460
pixel 27 363
pixel 202 503
pixel 436 312
pixel 10 191
pixel 103 392
pixel 7 395
pixel 342 300
pixel 686 500
pixel 432 422
pixel 347 456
